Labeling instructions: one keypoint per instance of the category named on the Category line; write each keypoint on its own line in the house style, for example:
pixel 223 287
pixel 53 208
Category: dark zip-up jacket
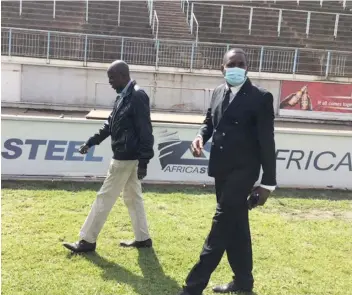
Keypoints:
pixel 130 128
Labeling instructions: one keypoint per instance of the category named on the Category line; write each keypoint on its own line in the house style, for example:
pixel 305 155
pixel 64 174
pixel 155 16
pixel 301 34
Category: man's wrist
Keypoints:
pixel 142 164
pixel 270 188
pixel 88 144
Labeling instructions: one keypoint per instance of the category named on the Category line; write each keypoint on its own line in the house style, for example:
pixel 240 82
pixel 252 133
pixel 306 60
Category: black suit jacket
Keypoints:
pixel 243 136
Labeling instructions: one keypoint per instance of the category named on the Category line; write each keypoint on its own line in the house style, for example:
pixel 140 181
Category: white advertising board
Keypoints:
pixel 39 146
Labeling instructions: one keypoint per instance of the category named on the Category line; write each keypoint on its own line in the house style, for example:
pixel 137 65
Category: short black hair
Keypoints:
pixel 234 51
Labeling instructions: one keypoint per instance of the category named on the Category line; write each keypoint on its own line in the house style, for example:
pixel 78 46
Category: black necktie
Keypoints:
pixel 226 100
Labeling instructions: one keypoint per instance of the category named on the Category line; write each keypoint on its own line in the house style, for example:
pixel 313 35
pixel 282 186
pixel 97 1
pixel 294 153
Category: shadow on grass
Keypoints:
pixel 153 282
pixel 320 194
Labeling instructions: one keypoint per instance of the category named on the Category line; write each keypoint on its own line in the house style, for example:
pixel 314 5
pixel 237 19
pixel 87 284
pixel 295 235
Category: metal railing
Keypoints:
pixel 155 26
pixel 194 19
pixel 86 10
pixel 119 14
pixel 150 10
pixel 185 3
pixel 252 9
pixel 170 53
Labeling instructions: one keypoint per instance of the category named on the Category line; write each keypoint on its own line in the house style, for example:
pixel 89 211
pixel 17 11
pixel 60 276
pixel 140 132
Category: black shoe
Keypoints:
pixel 137 244
pixel 81 246
pixel 231 288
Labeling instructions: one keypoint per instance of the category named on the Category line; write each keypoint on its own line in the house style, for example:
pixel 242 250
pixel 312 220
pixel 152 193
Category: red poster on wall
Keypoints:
pixel 316 96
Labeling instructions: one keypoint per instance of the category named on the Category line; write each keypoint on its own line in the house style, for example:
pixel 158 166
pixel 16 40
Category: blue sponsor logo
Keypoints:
pixel 49 150
pixel 175 156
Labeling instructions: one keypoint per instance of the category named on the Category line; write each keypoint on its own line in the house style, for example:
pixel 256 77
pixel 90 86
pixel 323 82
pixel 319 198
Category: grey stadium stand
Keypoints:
pixel 99 20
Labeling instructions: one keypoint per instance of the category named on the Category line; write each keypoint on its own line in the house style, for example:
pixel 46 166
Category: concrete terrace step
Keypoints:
pixel 172 21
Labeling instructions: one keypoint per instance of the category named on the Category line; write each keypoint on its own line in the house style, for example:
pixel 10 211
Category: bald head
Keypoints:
pixel 120 67
pixel 119 75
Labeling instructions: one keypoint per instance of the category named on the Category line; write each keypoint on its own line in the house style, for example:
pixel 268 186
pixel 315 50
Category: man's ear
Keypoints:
pixel 222 69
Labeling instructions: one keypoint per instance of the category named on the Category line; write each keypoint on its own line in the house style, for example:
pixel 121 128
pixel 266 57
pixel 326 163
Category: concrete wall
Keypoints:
pixel 78 86
pixel 69 84
pixel 11 82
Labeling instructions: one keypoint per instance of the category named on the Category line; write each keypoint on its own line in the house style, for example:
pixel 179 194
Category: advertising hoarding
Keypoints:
pixel 305 158
pixel 314 99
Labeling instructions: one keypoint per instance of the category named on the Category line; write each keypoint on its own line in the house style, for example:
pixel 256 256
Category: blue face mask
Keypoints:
pixel 235 76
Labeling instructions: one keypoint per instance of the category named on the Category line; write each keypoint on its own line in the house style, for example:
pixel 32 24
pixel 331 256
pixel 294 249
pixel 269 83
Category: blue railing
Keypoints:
pixel 170 53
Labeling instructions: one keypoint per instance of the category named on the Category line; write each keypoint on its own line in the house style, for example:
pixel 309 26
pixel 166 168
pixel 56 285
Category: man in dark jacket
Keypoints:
pixel 241 122
pixel 130 128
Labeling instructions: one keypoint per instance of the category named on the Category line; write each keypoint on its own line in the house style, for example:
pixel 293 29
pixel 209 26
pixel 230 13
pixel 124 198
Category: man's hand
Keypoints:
pixel 141 172
pixel 263 194
pixel 83 149
pixel 197 146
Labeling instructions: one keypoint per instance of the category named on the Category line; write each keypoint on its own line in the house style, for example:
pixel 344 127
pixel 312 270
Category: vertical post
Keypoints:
pixel 54 9
pixel 321 3
pixel 279 23
pixel 336 24
pixel 86 10
pixel 197 34
pixel 187 12
pixel 191 23
pixel 85 49
pixel 295 61
pixel 297 2
pixel 10 41
pixel 192 10
pixel 308 24
pixel 119 15
pixel 157 54
pixel 221 16
pixel 261 59
pixel 153 23
pixel 227 47
pixel 20 7
pixel 151 12
pixel 192 56
pixel 344 4
pixel 250 21
pixel 122 44
pixel 327 64
pixel 157 28
pixel 48 49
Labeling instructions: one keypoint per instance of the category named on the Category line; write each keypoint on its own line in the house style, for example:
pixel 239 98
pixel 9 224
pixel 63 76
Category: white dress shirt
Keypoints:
pixel 234 91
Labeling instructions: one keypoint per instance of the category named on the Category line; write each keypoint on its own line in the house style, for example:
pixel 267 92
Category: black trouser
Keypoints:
pixel 229 232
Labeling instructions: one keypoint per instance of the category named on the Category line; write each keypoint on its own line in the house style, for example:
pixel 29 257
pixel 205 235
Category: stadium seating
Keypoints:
pixel 100 19
pixel 172 22
pixel 70 16
pixel 264 32
pixel 265 18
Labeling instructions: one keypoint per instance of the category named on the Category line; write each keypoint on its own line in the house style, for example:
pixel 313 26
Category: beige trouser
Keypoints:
pixel 122 176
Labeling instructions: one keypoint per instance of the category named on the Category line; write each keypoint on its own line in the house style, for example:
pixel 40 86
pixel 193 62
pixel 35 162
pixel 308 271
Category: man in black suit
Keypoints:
pixel 241 122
